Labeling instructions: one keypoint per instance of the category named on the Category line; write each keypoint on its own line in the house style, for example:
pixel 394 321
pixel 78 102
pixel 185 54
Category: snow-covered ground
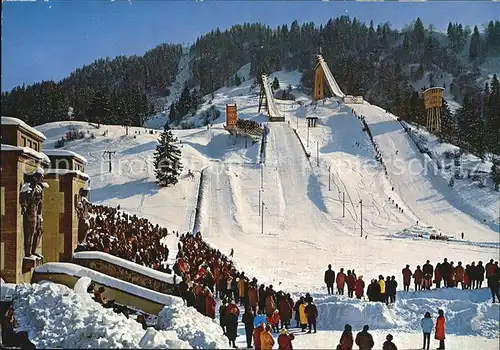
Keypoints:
pixel 55 316
pixel 302 223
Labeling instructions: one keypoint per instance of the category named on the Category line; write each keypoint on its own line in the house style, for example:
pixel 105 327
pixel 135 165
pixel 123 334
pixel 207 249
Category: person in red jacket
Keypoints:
pixel 359 287
pixel 256 335
pixel 285 312
pixel 210 305
pixel 440 329
pixel 346 340
pixel 285 340
pixel 406 278
pixel 437 275
pixel 340 281
pixel 466 277
pixel 490 271
pixel 351 283
pixel 417 275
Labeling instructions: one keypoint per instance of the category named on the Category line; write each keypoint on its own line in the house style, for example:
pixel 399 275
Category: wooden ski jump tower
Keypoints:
pixel 263 103
pixel 433 101
pixel 319 77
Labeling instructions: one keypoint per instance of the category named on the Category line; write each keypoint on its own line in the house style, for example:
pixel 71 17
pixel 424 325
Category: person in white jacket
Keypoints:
pixel 427 326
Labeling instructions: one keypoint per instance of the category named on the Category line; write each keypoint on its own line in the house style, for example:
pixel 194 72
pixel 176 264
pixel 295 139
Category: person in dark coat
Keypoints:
pixel 190 298
pixel 428 268
pixel 285 311
pixel 392 286
pixel 312 314
pixel 388 344
pixel 373 291
pixel 247 319
pixel 222 315
pixel 329 279
pixel 262 299
pixel 445 271
pixel 364 339
pixel 494 284
pixel 473 275
pixel 232 329
pixel 480 274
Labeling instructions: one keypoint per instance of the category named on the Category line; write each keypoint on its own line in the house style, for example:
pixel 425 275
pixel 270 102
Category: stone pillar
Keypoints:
pixel 60 215
pixel 15 267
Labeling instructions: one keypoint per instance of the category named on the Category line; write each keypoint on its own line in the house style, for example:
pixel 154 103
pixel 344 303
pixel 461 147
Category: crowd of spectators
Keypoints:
pixel 127 236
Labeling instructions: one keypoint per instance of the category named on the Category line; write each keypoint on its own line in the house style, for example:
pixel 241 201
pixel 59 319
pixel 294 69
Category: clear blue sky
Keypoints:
pixel 48 40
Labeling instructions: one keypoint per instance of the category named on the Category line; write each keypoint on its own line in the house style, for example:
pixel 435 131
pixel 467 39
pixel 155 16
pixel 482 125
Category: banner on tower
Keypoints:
pixel 231 116
pixel 433 97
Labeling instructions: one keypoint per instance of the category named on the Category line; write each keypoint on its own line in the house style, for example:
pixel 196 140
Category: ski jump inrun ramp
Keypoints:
pixel 332 83
pixel 274 113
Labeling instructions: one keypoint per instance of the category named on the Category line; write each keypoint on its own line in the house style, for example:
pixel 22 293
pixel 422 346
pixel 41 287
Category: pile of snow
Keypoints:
pixel 467 312
pixel 199 331
pixel 54 316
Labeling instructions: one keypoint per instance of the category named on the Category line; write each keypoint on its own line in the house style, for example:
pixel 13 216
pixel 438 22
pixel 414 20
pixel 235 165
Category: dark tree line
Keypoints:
pixel 375 61
pixel 115 91
pixel 188 103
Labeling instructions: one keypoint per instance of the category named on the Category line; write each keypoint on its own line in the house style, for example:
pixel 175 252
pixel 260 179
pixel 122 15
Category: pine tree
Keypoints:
pixel 167 159
pixel 419 31
pixel 276 84
pixel 495 172
pixel 475 45
pixel 237 80
pixel 448 124
pixel 99 110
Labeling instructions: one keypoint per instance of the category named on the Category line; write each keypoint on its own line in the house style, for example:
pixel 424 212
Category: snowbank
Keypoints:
pixel 466 312
pixel 54 316
pixel 199 331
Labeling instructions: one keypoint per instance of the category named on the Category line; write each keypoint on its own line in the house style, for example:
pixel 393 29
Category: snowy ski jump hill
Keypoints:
pixel 303 225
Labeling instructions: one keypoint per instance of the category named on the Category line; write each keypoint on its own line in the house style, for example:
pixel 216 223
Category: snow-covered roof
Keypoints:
pixel 15 121
pixel 143 270
pixel 98 277
pixel 64 153
pixel 67 171
pixel 40 155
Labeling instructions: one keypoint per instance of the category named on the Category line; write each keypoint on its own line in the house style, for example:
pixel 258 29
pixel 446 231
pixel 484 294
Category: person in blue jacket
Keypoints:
pixel 427 325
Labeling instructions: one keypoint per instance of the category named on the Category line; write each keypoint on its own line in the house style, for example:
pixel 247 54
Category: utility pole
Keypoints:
pixel 259 200
pixel 343 204
pixel 262 176
pixel 308 134
pixel 317 153
pixel 329 178
pixel 361 203
pixel 109 155
pixel 262 220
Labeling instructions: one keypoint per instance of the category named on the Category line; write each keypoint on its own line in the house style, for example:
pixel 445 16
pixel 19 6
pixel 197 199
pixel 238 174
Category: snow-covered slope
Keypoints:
pixel 302 223
pixel 414 178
